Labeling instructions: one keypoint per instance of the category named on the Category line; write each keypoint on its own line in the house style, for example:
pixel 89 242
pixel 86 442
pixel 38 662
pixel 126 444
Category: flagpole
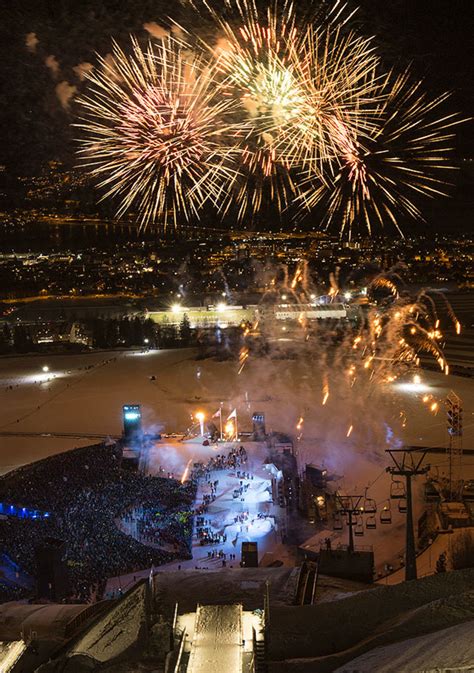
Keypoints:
pixel 236 427
pixel 220 419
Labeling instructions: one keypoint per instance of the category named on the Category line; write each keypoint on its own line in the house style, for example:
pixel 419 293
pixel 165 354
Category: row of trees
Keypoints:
pixel 101 333
pixel 112 333
pixel 124 332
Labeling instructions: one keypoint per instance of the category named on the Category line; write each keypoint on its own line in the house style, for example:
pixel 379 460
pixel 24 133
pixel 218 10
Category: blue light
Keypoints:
pixel 131 415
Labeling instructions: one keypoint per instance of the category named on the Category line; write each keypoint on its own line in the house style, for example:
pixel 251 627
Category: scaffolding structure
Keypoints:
pixel 454 422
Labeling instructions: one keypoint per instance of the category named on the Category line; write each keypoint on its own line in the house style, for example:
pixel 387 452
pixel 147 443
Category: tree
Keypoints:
pixel 22 341
pixel 185 330
pixel 441 565
pixel 138 335
pixel 462 553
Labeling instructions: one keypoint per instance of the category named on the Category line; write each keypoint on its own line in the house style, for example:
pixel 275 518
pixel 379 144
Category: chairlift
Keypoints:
pixel 431 491
pixel 371 522
pixel 402 505
pixel 434 473
pixel 397 489
pixel 359 527
pixel 370 506
pixel 337 522
pixel 386 514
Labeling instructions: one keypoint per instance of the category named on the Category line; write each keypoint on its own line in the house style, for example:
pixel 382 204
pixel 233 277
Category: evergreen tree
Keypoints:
pixel 185 330
pixel 138 335
pixel 441 565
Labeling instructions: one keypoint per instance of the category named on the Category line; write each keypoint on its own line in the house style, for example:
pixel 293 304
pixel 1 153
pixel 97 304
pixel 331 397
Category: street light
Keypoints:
pixel 176 308
pixel 45 368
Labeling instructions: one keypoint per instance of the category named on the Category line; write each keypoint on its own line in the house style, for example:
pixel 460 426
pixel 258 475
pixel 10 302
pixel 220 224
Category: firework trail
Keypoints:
pixel 155 132
pixel 386 343
pixel 382 174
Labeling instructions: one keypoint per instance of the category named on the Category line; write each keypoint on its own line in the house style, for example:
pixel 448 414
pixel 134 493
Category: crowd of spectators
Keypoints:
pixel 156 526
pixel 86 491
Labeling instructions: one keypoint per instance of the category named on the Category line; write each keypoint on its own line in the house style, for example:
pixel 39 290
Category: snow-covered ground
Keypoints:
pixel 450 649
pixel 84 394
pixel 217 639
pixel 72 399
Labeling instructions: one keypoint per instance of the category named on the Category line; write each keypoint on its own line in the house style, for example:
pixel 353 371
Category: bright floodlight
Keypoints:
pixel 176 308
pixel 45 368
pixel 146 341
pixel 221 306
pixel 201 416
pixel 347 296
pixel 415 386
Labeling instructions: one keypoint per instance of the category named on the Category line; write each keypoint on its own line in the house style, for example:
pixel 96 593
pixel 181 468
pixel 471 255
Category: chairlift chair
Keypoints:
pixel 337 522
pixel 386 514
pixel 402 505
pixel 359 527
pixel 371 522
pixel 370 506
pixel 397 489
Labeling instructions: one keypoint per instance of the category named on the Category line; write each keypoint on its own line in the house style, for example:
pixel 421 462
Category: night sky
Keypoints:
pixel 48 45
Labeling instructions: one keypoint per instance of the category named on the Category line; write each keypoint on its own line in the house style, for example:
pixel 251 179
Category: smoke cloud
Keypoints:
pixel 52 64
pixel 31 42
pixel 155 30
pixel 65 92
pixel 81 70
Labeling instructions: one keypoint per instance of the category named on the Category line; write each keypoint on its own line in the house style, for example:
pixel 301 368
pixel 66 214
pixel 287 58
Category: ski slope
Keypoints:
pixel 217 641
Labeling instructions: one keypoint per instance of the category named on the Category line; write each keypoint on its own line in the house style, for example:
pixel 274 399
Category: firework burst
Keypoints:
pixel 275 113
pixel 156 132
pixel 299 90
pixel 382 175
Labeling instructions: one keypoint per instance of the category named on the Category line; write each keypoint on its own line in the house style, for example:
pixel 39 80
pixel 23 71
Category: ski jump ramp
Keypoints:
pixel 217 644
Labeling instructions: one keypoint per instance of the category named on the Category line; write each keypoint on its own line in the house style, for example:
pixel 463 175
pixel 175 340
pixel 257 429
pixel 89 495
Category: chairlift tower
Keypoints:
pixel 454 423
pixel 353 507
pixel 408 464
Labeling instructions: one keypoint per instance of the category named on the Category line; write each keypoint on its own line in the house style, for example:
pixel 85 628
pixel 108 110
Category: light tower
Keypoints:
pixel 455 431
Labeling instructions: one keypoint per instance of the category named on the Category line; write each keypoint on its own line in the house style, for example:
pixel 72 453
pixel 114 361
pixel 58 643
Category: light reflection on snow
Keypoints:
pixel 412 387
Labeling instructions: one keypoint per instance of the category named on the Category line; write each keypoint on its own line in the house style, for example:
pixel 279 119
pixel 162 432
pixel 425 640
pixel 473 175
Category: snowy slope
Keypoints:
pixel 450 649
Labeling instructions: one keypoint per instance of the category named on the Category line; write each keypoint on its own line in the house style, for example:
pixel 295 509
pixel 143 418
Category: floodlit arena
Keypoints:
pixel 79 400
pixel 242 498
